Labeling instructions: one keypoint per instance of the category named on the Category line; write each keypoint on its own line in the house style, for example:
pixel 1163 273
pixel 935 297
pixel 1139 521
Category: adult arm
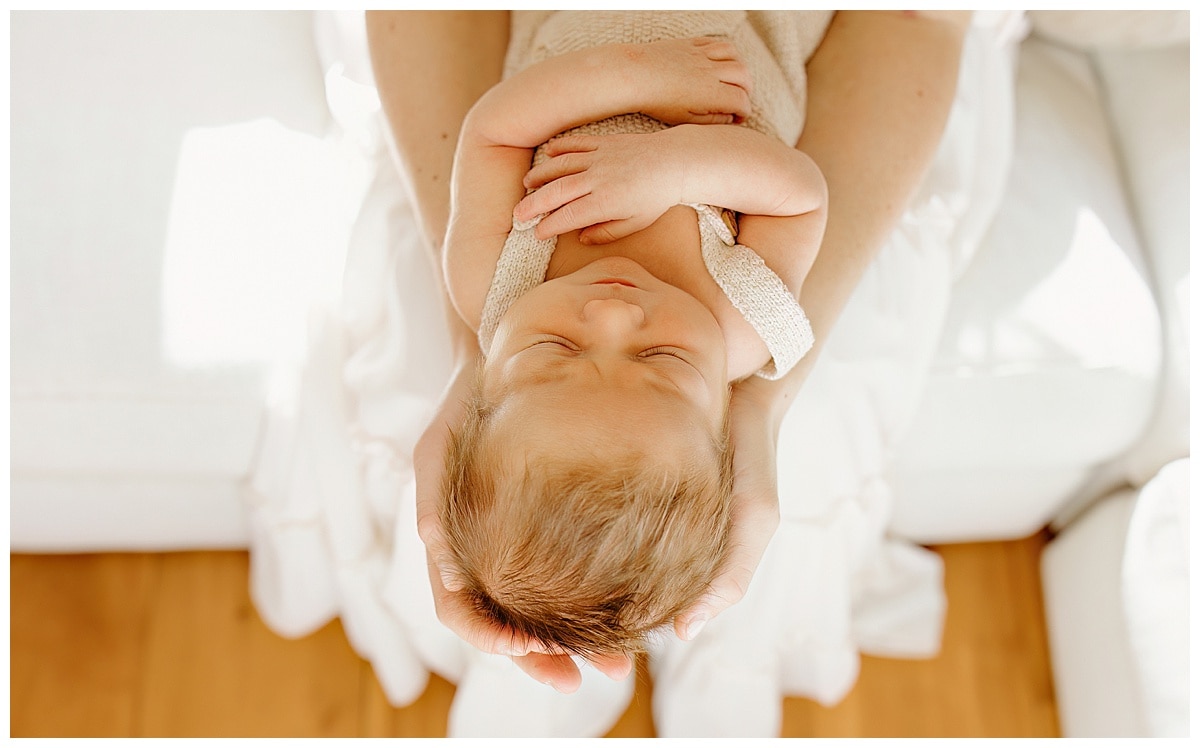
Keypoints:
pixel 430 68
pixel 880 88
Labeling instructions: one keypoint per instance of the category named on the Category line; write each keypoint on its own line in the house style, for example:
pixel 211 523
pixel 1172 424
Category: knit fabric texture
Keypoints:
pixel 774 45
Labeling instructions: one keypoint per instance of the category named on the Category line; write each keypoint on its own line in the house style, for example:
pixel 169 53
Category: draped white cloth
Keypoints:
pixel 331 497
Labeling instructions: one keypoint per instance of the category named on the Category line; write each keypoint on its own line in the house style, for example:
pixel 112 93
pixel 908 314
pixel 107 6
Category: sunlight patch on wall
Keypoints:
pixel 257 232
pixel 1089 308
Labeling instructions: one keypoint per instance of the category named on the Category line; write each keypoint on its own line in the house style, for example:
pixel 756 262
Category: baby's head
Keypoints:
pixel 587 494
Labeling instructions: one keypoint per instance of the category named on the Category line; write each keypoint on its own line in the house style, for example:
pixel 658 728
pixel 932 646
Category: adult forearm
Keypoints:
pixel 880 88
pixel 430 68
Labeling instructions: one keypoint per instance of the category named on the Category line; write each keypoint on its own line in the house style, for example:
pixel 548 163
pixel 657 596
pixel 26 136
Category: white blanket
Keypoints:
pixel 331 499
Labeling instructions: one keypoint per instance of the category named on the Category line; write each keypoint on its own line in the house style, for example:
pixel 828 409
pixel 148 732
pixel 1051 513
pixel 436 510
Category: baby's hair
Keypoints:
pixel 585 557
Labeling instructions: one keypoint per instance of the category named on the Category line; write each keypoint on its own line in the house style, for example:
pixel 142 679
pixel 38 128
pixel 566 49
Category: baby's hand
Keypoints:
pixel 696 81
pixel 609 185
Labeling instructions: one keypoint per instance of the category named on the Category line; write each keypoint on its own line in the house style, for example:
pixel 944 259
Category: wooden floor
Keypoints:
pixel 170 645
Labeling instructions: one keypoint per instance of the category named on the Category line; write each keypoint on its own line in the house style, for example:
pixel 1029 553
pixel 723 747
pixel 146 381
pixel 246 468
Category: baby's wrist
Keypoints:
pixel 618 74
pixel 687 146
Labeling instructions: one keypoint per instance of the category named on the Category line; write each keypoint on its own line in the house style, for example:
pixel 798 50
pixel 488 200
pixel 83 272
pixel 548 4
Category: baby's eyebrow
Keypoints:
pixel 559 369
pixel 544 372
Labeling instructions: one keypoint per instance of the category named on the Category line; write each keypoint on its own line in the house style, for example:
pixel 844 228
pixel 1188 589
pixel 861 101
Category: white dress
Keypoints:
pixel 330 499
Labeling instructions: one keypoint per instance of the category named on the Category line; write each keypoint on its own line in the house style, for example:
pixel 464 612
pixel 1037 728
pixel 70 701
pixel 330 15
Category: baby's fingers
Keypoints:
pixel 577 214
pixel 551 197
pixel 610 231
pixel 716 48
pixel 571 144
pixel 710 118
pixel 553 168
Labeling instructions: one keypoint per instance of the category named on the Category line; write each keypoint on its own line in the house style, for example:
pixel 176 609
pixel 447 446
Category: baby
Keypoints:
pixel 586 500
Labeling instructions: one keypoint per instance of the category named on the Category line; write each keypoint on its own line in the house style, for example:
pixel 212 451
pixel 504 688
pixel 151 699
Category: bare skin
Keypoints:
pixel 880 87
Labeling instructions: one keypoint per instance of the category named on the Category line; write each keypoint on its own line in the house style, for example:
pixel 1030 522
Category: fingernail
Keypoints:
pixel 695 627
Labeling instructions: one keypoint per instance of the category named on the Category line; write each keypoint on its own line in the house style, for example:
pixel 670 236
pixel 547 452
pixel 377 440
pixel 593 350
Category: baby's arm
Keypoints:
pixel 619 184
pixel 696 80
pixel 728 166
pixel 677 80
pixel 614 185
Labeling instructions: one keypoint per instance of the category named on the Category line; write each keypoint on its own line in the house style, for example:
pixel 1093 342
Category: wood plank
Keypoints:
pixel 170 645
pixel 213 668
pixel 992 677
pixel 638 719
pixel 426 717
pixel 76 625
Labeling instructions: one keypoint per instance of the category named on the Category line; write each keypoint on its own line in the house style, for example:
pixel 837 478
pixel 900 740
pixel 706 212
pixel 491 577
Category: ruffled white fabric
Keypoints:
pixel 331 498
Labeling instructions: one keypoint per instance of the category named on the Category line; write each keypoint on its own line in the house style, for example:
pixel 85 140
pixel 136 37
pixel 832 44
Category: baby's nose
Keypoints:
pixel 614 315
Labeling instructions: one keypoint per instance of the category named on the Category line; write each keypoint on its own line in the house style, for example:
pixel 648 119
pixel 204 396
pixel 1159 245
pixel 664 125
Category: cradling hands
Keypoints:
pixel 453 606
pixel 755 510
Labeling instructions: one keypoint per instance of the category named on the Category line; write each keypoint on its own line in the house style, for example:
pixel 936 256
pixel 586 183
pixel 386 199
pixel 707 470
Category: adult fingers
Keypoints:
pixel 755 521
pixel 429 461
pixel 561 672
pixel 455 611
pixel 556 670
pixel 617 667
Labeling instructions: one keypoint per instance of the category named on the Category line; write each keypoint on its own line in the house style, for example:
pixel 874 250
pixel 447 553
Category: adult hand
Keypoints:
pixel 753 433
pixel 453 606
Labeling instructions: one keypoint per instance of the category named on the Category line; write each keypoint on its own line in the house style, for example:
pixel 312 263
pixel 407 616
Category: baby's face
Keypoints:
pixel 612 348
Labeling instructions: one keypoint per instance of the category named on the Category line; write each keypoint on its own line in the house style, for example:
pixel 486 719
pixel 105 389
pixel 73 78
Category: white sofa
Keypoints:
pixel 141 364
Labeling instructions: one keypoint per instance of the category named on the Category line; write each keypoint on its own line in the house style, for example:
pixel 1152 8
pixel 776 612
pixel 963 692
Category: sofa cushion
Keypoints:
pixel 1146 92
pixel 1049 361
pixel 1112 29
pixel 110 400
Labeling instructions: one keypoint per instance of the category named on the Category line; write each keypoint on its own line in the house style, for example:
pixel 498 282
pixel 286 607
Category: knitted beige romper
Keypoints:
pixel 774 45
